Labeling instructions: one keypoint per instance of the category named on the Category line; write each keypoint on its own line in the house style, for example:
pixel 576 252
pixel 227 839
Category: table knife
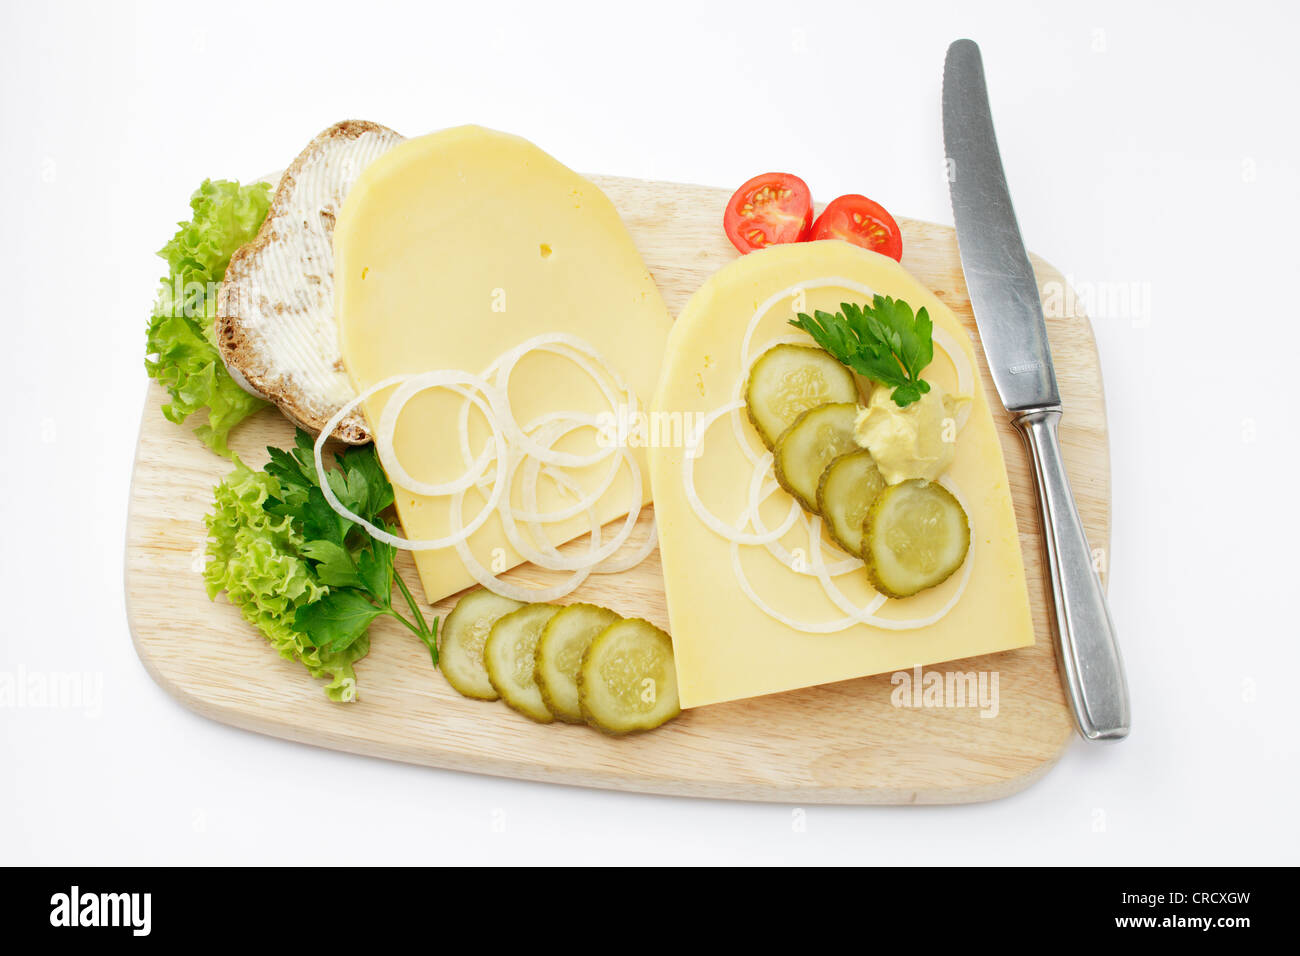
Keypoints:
pixel 1009 314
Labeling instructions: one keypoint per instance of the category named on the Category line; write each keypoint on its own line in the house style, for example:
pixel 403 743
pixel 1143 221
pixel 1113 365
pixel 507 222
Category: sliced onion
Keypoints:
pixel 537 449
pixel 562 348
pixel 712 521
pixel 547 555
pixel 577 351
pixel 758 493
pixel 965 376
pixel 833 626
pixel 861 614
pixel 624 562
pixel 509 589
pixel 807 627
pixel 755 455
pixel 770 302
pixel 616 562
pixel 532 468
pixel 443 378
pixel 457 537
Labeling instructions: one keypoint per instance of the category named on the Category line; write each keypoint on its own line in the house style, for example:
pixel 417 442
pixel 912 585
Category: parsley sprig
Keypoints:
pixel 883 341
pixel 357 569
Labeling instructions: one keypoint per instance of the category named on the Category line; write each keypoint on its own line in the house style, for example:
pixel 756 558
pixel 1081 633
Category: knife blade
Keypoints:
pixel 1003 289
pixel 1009 315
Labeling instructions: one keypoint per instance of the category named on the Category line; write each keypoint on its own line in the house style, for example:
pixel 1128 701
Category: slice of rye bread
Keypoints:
pixel 275 309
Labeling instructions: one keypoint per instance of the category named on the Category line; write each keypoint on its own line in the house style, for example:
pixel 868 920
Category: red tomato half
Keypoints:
pixel 858 220
pixel 771 208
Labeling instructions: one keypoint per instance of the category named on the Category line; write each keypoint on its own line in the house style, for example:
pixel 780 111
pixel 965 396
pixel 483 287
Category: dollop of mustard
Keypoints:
pixel 917 441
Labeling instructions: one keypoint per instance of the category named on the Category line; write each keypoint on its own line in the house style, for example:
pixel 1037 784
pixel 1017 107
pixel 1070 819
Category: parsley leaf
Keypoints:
pixel 367 491
pixel 311 580
pixel 334 566
pixel 884 342
pixel 338 619
pixel 356 569
pixel 375 568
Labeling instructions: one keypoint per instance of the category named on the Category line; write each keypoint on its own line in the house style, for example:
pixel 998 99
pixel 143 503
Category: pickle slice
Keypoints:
pixel 915 536
pixel 847 487
pixel 628 681
pixel 509 655
pixel 817 437
pixel 460 649
pixel 786 381
pixel 564 640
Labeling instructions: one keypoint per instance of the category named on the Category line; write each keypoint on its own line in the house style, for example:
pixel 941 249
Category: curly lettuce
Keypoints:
pixel 181 351
pixel 255 557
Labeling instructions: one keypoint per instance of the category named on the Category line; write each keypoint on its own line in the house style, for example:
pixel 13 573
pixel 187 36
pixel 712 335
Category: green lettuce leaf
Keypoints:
pixel 255 557
pixel 181 351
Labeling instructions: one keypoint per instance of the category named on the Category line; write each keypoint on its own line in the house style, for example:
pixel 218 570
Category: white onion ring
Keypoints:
pixel 457 537
pixel 824 283
pixel 550 558
pixel 817 627
pixel 635 556
pixel 599 557
pixel 738 429
pixel 712 521
pixel 505 364
pixel 838 598
pixel 508 589
pixel 758 493
pixel 532 467
pixel 443 378
pixel 965 384
pixel 615 562
pixel 564 350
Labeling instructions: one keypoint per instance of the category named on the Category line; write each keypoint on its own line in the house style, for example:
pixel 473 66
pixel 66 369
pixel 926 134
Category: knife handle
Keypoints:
pixel 1086 649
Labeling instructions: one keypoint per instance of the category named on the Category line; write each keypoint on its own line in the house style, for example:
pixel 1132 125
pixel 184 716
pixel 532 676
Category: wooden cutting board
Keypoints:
pixel 840 743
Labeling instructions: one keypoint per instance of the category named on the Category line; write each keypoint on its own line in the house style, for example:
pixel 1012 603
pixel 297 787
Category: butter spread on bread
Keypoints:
pixel 275 310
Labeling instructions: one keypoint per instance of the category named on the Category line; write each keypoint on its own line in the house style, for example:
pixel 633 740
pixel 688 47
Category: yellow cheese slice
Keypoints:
pixel 455 247
pixel 726 647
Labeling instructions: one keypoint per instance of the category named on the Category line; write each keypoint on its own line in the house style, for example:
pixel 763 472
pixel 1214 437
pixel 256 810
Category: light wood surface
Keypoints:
pixel 840 743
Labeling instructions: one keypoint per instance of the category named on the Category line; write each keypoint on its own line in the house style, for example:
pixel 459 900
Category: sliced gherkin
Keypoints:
pixel 916 534
pixel 628 680
pixel 464 632
pixel 510 654
pixel 786 381
pixel 807 447
pixel 847 488
pixel 564 640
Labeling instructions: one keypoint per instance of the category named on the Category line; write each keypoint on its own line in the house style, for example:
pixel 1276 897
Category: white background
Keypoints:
pixel 1145 143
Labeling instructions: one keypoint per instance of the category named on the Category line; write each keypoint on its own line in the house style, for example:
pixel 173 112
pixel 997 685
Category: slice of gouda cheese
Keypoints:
pixel 454 247
pixel 726 646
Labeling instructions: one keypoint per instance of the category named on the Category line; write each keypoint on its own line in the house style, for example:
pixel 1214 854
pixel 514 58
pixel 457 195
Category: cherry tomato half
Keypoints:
pixel 771 208
pixel 858 220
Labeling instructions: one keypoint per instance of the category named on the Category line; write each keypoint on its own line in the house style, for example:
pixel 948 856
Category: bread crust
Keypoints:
pixel 239 345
